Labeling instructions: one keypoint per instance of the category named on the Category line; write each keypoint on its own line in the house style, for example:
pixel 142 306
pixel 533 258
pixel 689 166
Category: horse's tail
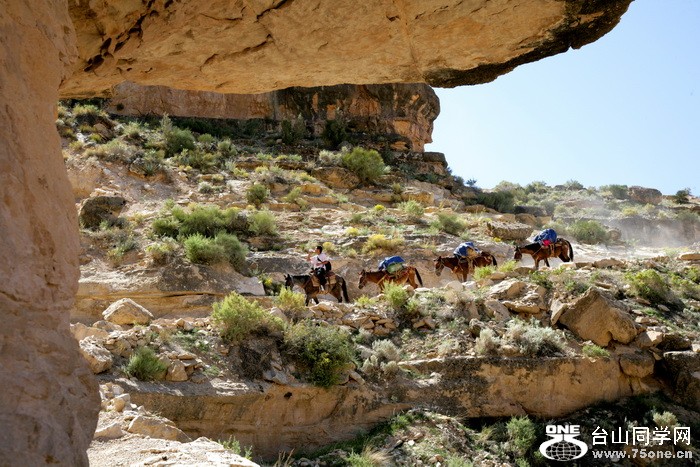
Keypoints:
pixel 493 260
pixel 420 281
pixel 571 250
pixel 345 291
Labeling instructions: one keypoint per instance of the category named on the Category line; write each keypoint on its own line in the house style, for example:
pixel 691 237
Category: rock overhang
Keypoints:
pixel 248 47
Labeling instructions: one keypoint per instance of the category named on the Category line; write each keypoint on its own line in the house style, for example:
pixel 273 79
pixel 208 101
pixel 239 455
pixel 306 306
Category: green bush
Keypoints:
pixel 487 343
pixel 176 140
pixel 324 351
pixel 413 209
pixel 166 227
pixel 288 300
pixel 234 250
pixel 594 351
pixel 197 159
pixel 367 164
pixel 682 196
pixel 616 191
pixel 534 340
pixel 237 318
pixel 257 194
pixel 204 220
pixel 88 114
pixel 395 295
pixel 379 242
pixel 501 201
pixel 263 223
pixel 203 250
pixel 649 285
pixel 145 365
pixel 521 435
pixel 590 232
pixel 450 223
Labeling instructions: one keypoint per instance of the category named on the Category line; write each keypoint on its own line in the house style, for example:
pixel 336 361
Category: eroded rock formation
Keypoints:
pixel 405 111
pixel 49 400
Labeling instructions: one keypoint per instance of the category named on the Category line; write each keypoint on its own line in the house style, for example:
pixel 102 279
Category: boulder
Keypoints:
pixel 497 310
pixel 597 317
pixel 111 431
pixel 637 364
pixel 176 371
pixel 608 263
pixel 510 288
pixel 99 358
pixel 80 331
pixel 127 311
pixel 528 219
pixel 513 231
pixel 649 338
pixel 155 427
pixel 98 209
pixel 673 341
pixel 644 195
pixel 690 257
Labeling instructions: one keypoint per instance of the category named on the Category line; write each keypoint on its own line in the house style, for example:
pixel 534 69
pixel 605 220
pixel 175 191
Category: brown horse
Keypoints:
pixel 462 267
pixel 561 249
pixel 339 290
pixel 408 274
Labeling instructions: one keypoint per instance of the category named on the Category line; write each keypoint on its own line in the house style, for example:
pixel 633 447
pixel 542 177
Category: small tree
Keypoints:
pixel 682 196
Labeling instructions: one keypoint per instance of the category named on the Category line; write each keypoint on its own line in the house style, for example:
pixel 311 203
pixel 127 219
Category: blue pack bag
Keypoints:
pixel 391 264
pixel 546 234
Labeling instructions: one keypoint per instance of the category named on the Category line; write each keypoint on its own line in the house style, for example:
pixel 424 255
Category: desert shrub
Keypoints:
pixel 290 301
pixel 367 164
pixel 205 220
pixel 203 250
pixel 151 162
pixel 386 350
pixel 521 435
pixel 334 133
pixel 263 223
pixel 501 201
pixel 396 296
pixel 88 114
pixel 145 365
pixel 450 223
pixel 483 273
pixel 352 232
pixel 206 139
pixel 233 445
pixel 293 131
pixel 682 196
pixel 293 196
pixel 234 250
pixel 369 457
pixel 649 285
pixel 165 227
pixel 324 351
pixel 162 251
pixel 413 209
pixel 589 231
pixel 197 159
pixel 665 419
pixel 573 185
pixel 330 158
pixel 236 318
pixel 616 191
pixel 379 242
pixel 508 266
pixel 113 151
pixel 534 340
pixel 487 343
pixel 124 243
pixel 594 351
pixel 177 140
pixel 227 149
pixel 205 187
pixel 257 194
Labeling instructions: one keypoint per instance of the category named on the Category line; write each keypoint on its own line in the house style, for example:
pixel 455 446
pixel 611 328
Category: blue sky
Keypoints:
pixel 624 109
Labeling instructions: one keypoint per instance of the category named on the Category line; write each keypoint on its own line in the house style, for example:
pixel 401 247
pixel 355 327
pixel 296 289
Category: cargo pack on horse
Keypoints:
pixel 462 267
pixel 561 249
pixel 335 286
pixel 407 274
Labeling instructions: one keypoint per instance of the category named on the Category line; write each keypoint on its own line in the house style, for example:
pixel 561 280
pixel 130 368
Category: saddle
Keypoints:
pixel 330 279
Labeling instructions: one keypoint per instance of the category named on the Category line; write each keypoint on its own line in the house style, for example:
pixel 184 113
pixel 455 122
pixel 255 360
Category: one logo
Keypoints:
pixel 563 446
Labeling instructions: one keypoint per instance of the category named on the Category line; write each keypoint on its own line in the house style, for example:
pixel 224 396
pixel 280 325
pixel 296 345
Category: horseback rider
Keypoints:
pixel 320 265
pixel 466 251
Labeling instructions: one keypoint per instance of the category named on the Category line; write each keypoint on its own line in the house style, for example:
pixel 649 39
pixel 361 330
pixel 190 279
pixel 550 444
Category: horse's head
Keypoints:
pixel 439 265
pixel 518 254
pixel 363 279
pixel 288 281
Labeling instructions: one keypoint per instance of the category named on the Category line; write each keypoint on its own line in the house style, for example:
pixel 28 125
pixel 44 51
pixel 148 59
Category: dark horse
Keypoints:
pixel 561 249
pixel 312 291
pixel 462 267
pixel 408 274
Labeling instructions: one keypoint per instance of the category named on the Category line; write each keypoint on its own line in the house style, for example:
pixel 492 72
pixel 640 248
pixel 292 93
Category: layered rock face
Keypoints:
pixel 49 399
pixel 252 47
pixel 404 110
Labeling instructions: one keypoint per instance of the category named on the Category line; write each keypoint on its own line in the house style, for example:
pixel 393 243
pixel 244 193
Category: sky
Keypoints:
pixel 622 110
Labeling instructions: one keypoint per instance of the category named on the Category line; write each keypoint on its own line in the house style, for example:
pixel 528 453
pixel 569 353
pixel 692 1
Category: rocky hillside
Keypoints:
pixel 188 228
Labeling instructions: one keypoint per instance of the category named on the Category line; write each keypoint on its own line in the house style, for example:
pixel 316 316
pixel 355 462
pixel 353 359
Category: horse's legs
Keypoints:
pixel 546 261
pixel 537 263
